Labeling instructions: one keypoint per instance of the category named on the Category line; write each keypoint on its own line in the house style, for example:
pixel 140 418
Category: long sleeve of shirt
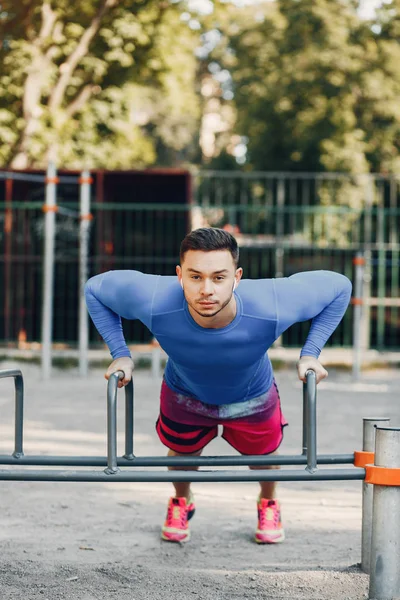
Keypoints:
pixel 322 296
pixel 117 294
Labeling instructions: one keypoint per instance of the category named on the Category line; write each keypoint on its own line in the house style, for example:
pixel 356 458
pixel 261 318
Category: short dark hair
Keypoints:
pixel 208 239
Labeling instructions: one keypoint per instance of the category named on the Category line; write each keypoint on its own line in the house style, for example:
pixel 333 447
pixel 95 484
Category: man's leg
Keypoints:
pixel 268 488
pixel 182 488
pixel 180 508
pixel 184 433
pixel 260 437
pixel 269 527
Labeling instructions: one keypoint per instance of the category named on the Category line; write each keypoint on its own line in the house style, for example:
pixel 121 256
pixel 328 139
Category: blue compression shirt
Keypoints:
pixel 226 365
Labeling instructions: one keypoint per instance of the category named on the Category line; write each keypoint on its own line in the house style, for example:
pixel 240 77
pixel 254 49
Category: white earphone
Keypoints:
pixel 234 286
pixel 181 282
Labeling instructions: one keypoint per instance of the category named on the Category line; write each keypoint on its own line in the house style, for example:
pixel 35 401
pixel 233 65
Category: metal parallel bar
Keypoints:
pixel 182 461
pixel 10 373
pixel 170 476
pixel 19 409
pixel 305 410
pixel 19 416
pixel 112 389
pixel 129 399
pixel 311 427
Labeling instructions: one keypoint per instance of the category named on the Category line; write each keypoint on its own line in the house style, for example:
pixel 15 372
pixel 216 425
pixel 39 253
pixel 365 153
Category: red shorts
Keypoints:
pixel 186 425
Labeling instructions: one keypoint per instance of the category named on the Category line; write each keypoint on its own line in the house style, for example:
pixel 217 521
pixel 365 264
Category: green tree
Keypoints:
pixel 316 88
pixel 299 72
pixel 379 89
pixel 109 84
pixel 299 66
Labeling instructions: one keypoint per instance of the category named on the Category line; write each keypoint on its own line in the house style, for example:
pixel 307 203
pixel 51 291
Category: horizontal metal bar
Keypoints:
pixel 383 302
pixel 292 175
pixel 183 461
pixel 21 176
pixel 37 178
pixel 169 476
pixel 140 206
pixel 10 373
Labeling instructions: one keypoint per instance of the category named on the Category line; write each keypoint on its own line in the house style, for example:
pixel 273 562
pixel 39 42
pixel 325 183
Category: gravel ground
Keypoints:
pixel 94 541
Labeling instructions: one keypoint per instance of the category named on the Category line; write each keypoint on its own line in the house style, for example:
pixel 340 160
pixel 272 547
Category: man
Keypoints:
pixel 216 336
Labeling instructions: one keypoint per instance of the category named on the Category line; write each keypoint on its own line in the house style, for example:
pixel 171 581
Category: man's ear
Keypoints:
pixel 179 274
pixel 239 272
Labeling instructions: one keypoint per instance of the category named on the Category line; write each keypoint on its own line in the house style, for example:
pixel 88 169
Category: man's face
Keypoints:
pixel 208 280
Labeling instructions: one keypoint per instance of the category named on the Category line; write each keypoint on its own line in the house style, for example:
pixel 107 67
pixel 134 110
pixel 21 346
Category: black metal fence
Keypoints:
pixel 284 224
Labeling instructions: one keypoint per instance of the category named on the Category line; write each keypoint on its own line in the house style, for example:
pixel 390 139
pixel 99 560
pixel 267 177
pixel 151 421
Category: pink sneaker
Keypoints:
pixel 176 526
pixel 269 529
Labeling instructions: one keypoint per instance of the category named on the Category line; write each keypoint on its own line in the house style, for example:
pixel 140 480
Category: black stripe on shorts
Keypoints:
pixel 181 427
pixel 183 441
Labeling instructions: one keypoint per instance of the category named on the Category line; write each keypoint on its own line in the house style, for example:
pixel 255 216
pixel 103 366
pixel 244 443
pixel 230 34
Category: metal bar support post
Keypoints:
pixel 310 420
pixel 369 428
pixel 112 389
pixel 19 410
pixel 357 301
pixel 385 540
pixel 85 218
pixel 129 418
pixel 50 209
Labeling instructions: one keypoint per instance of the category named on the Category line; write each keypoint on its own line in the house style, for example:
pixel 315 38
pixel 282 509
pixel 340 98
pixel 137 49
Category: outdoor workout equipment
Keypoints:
pixel 381 509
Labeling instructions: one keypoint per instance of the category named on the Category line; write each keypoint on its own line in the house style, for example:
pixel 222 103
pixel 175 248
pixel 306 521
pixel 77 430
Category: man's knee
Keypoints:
pixel 173 453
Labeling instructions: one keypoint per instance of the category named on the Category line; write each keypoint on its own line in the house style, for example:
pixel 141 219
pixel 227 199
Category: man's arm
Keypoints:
pixel 117 294
pixel 322 296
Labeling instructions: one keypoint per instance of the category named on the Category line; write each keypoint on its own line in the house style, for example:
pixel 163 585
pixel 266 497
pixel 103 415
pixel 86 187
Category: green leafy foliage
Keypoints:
pixel 106 84
pixel 316 88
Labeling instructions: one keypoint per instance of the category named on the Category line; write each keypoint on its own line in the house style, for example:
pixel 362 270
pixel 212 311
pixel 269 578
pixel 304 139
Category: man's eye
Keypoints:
pixel 195 277
pixel 220 278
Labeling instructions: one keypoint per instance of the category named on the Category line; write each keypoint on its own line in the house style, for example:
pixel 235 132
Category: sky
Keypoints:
pixel 206 6
pixel 368 8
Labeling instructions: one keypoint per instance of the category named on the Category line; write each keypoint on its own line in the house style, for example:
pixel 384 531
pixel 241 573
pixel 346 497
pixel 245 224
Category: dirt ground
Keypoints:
pixel 94 541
